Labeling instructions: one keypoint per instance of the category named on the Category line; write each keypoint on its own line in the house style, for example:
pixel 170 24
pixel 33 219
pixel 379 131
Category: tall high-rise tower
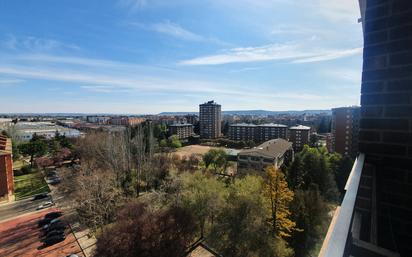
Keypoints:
pixel 345 130
pixel 210 118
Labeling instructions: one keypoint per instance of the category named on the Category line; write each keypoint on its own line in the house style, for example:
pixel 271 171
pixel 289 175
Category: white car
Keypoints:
pixel 45 205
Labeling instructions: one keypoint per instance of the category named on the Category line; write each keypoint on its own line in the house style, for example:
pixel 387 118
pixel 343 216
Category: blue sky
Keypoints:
pixel 148 56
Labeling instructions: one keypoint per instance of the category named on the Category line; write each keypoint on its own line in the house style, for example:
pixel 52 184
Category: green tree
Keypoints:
pixel 317 170
pixel 342 172
pixel 295 173
pixel 36 147
pixel 217 158
pixel 173 141
pixel 310 212
pixel 204 197
pixel 15 150
pixel 160 132
pixel 4 133
pixel 279 195
pixel 163 143
pixel 241 228
pixel 313 140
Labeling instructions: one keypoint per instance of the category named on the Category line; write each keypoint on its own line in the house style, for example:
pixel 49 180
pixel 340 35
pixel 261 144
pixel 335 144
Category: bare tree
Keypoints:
pixel 98 198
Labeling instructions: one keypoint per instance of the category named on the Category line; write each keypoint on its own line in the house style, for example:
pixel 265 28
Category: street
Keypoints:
pixel 17 208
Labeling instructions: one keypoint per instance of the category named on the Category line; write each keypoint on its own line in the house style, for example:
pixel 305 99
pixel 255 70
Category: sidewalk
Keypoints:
pixel 86 242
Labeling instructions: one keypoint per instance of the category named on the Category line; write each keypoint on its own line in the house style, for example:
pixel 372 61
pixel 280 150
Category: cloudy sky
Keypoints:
pixel 148 56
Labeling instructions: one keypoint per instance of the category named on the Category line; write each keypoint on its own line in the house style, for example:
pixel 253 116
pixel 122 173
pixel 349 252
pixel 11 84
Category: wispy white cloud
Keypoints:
pixel 333 10
pixel 132 4
pixel 345 75
pixel 177 31
pixel 295 52
pixel 248 54
pixel 285 30
pixel 102 81
pixel 75 60
pixel 11 81
pixel 338 10
pixel 34 44
pixel 330 55
pixel 246 69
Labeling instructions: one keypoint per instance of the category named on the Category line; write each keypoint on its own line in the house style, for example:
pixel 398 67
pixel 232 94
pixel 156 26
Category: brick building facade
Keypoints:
pixel 299 136
pixel 6 170
pixel 345 130
pixel 210 120
pixel 182 131
pixel 386 120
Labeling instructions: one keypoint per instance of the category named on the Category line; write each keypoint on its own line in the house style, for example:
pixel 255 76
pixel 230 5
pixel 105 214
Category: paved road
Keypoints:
pixel 17 208
pixel 21 237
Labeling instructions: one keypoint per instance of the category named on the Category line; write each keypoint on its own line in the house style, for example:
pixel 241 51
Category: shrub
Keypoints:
pixel 25 169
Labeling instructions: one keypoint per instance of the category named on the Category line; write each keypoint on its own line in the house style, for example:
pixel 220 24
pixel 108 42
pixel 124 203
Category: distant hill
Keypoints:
pixel 256 112
pixel 235 112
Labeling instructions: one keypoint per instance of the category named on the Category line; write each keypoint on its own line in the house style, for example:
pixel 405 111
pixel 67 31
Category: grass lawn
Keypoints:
pixel 18 164
pixel 29 184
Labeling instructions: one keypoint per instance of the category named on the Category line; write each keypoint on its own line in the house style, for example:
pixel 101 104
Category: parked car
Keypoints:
pixel 55 226
pixel 44 221
pixel 51 173
pixel 53 240
pixel 53 233
pixel 72 255
pixel 53 214
pixel 53 180
pixel 51 222
pixel 40 196
pixel 45 205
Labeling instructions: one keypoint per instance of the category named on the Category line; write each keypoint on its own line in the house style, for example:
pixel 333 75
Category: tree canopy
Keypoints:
pixel 142 232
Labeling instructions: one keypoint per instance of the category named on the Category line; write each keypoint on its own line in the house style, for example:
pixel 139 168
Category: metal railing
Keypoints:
pixel 338 236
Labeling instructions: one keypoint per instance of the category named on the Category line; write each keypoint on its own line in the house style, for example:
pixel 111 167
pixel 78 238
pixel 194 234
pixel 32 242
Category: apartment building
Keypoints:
pixel 257 133
pixel 210 118
pixel 181 130
pixel 345 130
pixel 271 131
pixel 98 119
pixel 299 136
pixel 126 121
pixel 243 132
pixel 273 152
pixel 192 119
pixel 6 170
pixel 329 141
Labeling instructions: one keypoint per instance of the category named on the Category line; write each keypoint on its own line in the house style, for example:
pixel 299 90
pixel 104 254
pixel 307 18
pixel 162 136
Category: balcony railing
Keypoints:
pixel 343 236
pixel 338 238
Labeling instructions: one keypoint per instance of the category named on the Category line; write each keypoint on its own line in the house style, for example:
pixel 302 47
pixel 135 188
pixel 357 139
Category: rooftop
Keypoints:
pixel 38 127
pixel 180 125
pixel 243 125
pixel 270 149
pixel 260 125
pixel 272 125
pixel 211 103
pixel 300 127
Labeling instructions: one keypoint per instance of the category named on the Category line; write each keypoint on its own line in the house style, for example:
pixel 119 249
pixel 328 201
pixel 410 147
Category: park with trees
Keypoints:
pixel 133 194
